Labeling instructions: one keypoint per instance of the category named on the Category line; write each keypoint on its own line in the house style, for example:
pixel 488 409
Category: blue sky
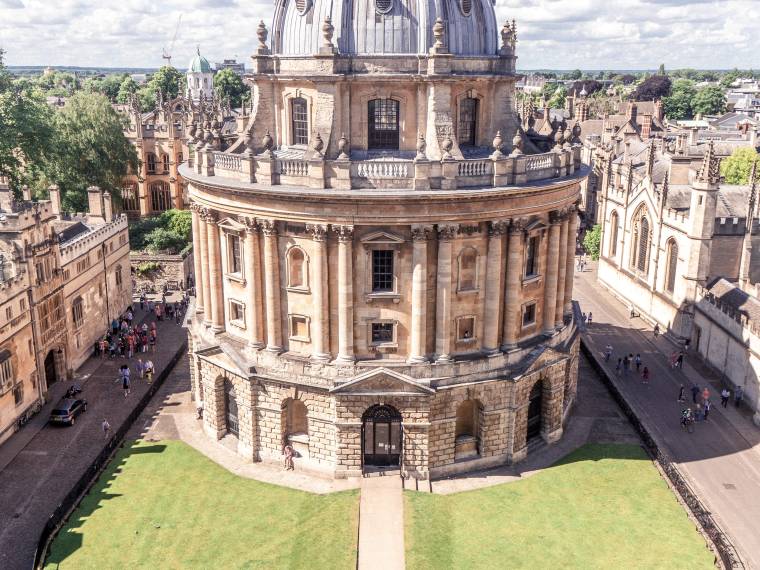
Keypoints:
pixel 557 34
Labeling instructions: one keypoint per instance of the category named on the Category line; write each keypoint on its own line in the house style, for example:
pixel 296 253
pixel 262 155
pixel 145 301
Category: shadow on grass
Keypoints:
pixel 69 539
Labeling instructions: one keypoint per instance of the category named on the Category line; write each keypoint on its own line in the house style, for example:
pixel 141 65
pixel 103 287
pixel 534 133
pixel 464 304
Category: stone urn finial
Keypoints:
pixel 267 142
pixel 447 144
pixel 262 33
pixel 498 143
pixel 421 146
pixel 517 143
pixel 327 32
pixel 438 32
pixel 342 146
pixel 319 144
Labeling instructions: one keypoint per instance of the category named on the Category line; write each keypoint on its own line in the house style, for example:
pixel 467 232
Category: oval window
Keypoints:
pixel 465 6
pixel 383 6
pixel 303 6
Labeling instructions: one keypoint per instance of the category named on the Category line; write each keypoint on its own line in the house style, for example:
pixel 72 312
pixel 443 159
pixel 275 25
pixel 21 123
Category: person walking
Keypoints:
pixel 149 370
pixel 645 375
pixel 618 366
pixel 140 368
pixel 656 330
pixel 738 396
pixel 673 359
pixel 590 317
pixel 679 360
pixel 680 393
pixel 706 394
pixel 125 384
pixel 607 352
pixel 724 396
pixel 637 360
pixel 106 427
pixel 694 393
pixel 708 406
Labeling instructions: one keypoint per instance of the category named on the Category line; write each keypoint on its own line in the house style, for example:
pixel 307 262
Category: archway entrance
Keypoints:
pixel 534 412
pixel 381 436
pixel 231 408
pixel 50 374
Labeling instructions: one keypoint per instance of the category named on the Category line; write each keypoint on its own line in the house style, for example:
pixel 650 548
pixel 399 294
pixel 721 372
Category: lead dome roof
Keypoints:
pixel 384 26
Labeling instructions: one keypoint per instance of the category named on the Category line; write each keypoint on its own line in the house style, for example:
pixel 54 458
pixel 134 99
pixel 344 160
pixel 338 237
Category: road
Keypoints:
pixel 721 459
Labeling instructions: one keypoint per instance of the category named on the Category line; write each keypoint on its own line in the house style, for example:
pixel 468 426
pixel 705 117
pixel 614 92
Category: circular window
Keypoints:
pixel 465 6
pixel 383 6
pixel 303 6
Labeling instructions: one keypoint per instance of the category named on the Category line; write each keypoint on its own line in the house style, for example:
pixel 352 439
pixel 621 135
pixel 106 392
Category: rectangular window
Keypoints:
pixel 382 270
pixel 78 313
pixel 6 371
pixel 9 313
pixel 31 348
pixel 39 269
pixel 466 328
pixel 529 314
pixel 233 254
pixel 22 305
pixel 299 327
pixel 531 258
pixel 237 312
pixel 382 333
pixel 18 394
pixel 299 113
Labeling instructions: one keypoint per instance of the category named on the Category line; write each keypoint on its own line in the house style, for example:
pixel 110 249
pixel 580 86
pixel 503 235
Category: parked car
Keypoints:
pixel 66 411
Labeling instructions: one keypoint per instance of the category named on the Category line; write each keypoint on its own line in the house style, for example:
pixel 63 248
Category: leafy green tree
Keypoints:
pixel 163 240
pixel 729 77
pixel 661 71
pixel 127 87
pixel 709 100
pixel 592 242
pixel 229 85
pixel 736 168
pixel 678 105
pixel 179 222
pixel 166 80
pixel 575 74
pixel 557 100
pixel 146 98
pixel 90 149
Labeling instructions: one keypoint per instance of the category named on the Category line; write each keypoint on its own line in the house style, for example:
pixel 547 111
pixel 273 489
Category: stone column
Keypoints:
pixel 215 274
pixel 443 294
pixel 418 348
pixel 562 273
pixel 253 283
pixel 197 261
pixel 272 286
pixel 512 286
pixel 320 320
pixel 572 234
pixel 345 293
pixel 205 277
pixel 496 233
pixel 552 269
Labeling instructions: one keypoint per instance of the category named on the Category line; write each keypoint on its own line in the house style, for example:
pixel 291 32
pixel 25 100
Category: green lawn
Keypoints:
pixel 603 506
pixel 164 505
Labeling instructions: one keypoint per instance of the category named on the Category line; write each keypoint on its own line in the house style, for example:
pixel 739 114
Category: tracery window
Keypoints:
pixel 129 198
pixel 613 234
pixel 383 124
pixel 160 196
pixel 299 112
pixel 77 310
pixel 640 254
pixel 151 163
pixel 671 265
pixel 165 163
pixel 468 115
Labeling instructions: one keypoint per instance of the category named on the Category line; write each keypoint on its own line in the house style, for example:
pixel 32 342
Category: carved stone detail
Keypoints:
pixel 344 233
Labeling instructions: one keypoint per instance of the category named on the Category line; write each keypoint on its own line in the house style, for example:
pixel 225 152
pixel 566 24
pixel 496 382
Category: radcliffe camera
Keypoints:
pixel 379 285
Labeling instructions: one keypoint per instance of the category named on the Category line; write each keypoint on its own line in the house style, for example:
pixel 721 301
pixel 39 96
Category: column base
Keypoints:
pixel 511 347
pixel 344 359
pixel 216 329
pixel 444 359
pixel 320 357
pixel 257 345
pixel 549 332
pixel 273 348
pixel 417 360
pixel 491 352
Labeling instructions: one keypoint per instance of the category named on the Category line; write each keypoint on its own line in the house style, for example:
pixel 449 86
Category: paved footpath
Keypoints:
pixel 381 523
pixel 721 459
pixel 41 463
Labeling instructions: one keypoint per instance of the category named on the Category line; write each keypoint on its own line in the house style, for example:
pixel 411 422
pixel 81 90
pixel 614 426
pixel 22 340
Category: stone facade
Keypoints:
pixel 384 275
pixel 174 271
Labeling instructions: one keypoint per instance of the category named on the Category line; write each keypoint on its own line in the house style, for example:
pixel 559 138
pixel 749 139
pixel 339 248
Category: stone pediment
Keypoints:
pixel 383 382
pixel 382 237
pixel 231 225
pixel 537 360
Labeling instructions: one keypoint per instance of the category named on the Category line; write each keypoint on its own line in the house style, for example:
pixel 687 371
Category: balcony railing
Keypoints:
pixel 382 169
pixel 228 162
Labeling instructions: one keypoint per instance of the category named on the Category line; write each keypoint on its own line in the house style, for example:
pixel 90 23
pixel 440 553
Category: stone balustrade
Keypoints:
pixel 292 168
pixel 382 169
pixel 229 162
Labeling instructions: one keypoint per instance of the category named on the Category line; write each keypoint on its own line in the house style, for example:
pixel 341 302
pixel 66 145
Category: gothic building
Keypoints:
pixel 384 262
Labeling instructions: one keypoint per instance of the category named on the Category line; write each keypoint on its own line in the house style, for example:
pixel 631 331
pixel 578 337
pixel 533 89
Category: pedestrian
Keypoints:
pixel 708 405
pixel 142 301
pixel 679 360
pixel 680 393
pixel 152 342
pixel 673 359
pixel 149 370
pixel 199 411
pixel 617 367
pixel 645 375
pixel 738 396
pixel 140 368
pixel 698 413
pixel 656 330
pixel 694 393
pixel 289 452
pixel 724 396
pixel 626 365
pixel 125 384
pixel 607 352
pixel 114 326
pixel 583 318
pixel 637 360
pixel 106 428
pixel 705 394
pixel 590 317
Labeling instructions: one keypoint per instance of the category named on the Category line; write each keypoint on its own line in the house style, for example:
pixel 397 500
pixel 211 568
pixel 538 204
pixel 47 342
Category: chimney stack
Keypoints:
pixel 55 199
pixel 26 193
pixel 95 198
pixel 107 207
pixel 646 126
pixel 6 196
pixel 693 136
pixel 632 113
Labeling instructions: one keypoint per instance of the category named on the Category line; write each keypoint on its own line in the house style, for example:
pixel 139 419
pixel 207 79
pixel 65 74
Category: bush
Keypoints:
pixel 162 240
pixel 592 242
pixel 148 268
pixel 170 232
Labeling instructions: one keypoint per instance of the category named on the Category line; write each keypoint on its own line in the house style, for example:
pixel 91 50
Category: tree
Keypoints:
pixel 127 87
pixel 557 100
pixel 729 77
pixel 736 168
pixel 575 74
pixel 166 80
pixel 661 71
pixel 679 104
pixel 651 88
pixel 90 150
pixel 592 242
pixel 590 85
pixel 178 221
pixel 229 85
pixel 709 100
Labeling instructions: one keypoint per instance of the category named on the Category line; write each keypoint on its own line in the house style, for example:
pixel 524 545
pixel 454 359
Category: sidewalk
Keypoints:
pixel 721 459
pixel 381 524
pixel 41 463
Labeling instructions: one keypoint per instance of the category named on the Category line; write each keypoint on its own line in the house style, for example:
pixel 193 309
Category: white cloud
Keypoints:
pixel 559 34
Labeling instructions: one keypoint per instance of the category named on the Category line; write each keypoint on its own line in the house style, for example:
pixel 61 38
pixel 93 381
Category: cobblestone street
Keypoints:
pixel 41 463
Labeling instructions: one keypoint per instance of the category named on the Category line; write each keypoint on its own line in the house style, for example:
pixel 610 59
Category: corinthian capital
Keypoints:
pixel 344 233
pixel 421 233
pixel 318 231
pixel 250 223
pixel 447 232
pixel 269 227
pixel 498 228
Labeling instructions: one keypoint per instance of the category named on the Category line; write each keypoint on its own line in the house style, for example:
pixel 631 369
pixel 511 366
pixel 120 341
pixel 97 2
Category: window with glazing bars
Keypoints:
pixel 382 270
pixel 234 254
pixel 383 124
pixel 300 115
pixel 531 259
pixel 468 115
pixel 382 332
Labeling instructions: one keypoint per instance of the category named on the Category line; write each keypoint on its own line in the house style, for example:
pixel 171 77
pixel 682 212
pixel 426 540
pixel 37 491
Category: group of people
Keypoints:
pixel 166 310
pixel 626 363
pixel 125 340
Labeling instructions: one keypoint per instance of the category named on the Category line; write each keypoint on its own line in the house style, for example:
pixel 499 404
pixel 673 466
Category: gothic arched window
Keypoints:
pixel 382 120
pixel 670 267
pixel 640 253
pixel 468 120
pixel 613 234
pixel 151 163
pixel 160 196
pixel 165 163
pixel 299 113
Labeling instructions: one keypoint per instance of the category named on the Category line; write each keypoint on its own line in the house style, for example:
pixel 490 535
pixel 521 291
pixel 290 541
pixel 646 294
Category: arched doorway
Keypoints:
pixel 231 408
pixel 381 436
pixel 467 430
pixel 50 374
pixel 534 411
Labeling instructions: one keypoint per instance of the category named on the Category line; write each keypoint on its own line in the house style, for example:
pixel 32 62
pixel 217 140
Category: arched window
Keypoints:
pixel 119 277
pixel 165 162
pixel 468 116
pixel 151 163
pixel 382 124
pixel 129 198
pixel 670 267
pixel 640 243
pixel 160 196
pixel 77 312
pixel 613 234
pixel 296 268
pixel 205 81
pixel 197 82
pixel 468 263
pixel 299 113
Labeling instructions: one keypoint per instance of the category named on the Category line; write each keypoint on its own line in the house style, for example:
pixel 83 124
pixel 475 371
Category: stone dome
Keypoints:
pixel 199 64
pixel 365 27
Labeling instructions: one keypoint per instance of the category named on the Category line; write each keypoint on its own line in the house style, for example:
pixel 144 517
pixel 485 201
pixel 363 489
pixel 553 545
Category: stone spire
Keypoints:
pixel 650 158
pixel 752 196
pixel 709 172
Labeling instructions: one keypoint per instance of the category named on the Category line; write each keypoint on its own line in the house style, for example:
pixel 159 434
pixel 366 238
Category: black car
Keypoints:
pixel 66 411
